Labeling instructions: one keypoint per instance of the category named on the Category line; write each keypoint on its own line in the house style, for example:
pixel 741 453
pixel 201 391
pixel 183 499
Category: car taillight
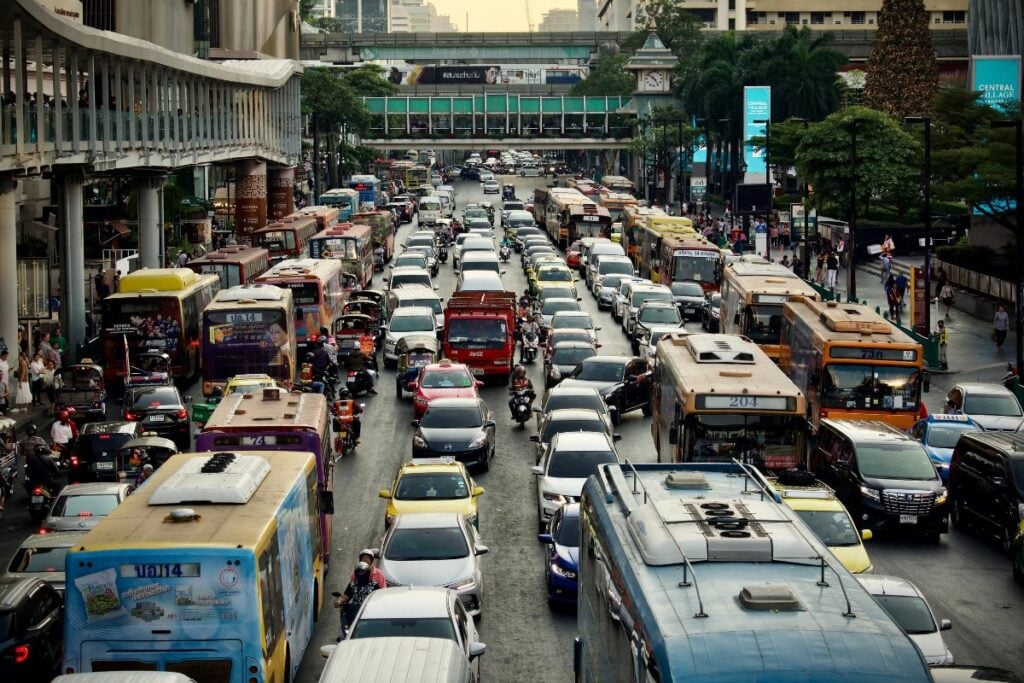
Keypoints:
pixel 21 653
pixel 129 415
pixel 37 492
pixel 182 413
pixel 74 461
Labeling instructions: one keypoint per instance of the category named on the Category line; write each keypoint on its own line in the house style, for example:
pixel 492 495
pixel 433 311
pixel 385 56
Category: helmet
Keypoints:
pixel 62 415
pixel 31 430
pixel 344 394
pixel 217 392
pixel 309 357
pixel 147 467
pixel 362 568
pixel 367 551
pixel 520 371
pixel 324 332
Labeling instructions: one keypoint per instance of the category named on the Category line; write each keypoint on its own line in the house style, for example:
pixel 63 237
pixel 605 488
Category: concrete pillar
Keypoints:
pixel 73 280
pixel 148 188
pixel 280 192
pixel 250 197
pixel 9 265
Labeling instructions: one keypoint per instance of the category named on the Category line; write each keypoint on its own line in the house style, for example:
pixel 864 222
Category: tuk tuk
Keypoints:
pixel 374 295
pixel 356 330
pixel 367 307
pixel 414 351
pixel 149 368
pixel 132 455
pixel 80 387
pixel 508 192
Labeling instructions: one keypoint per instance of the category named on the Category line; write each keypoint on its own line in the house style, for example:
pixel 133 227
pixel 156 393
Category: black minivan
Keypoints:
pixel 986 483
pixel 884 478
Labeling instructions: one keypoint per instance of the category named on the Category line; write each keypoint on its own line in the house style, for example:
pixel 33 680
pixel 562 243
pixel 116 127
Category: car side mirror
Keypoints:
pixel 326 650
pixel 478 384
pixel 535 438
pixel 436 287
pixel 411 386
pixel 545 538
pixel 415 423
pixel 384 493
pixel 537 470
pixel 188 399
pixel 478 491
pixel 616 437
pixel 866 534
pixel 597 329
pixel 476 649
pixel 945 624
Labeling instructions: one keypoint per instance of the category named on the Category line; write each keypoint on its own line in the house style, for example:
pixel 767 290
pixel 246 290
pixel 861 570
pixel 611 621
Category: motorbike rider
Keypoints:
pixel 376 575
pixel 356 362
pixel 29 443
pixel 330 344
pixel 528 327
pixel 63 431
pixel 307 374
pixel 145 472
pixel 41 469
pixel 349 411
pixel 521 383
pixel 357 590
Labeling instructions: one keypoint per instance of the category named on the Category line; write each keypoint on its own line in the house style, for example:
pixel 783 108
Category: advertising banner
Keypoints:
pixel 998 79
pixel 757 106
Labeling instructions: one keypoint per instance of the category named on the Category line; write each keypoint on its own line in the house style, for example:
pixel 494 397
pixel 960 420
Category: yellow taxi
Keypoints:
pixel 249 384
pixel 542 261
pixel 552 275
pixel 432 485
pixel 816 504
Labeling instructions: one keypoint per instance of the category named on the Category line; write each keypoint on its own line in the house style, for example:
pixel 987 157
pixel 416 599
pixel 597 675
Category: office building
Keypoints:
pixel 558 21
pixel 587 11
pixel 363 16
pixel 415 16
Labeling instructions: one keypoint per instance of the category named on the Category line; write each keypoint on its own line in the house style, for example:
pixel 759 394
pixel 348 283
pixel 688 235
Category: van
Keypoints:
pixel 397 658
pixel 586 244
pixel 404 276
pixel 430 210
pixel 479 281
pixel 416 295
pixel 883 476
pixel 986 483
pixel 636 293
pixel 602 248
pixel 480 260
pixel 608 264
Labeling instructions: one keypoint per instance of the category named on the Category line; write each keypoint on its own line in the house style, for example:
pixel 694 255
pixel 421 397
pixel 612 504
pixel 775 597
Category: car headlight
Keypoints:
pixel 465 583
pixel 562 571
pixel 941 497
pixel 555 373
pixel 873 494
pixel 478 442
pixel 418 441
pixel 556 498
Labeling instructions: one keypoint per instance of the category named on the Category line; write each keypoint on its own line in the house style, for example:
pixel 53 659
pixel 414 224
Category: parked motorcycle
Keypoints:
pixel 520 405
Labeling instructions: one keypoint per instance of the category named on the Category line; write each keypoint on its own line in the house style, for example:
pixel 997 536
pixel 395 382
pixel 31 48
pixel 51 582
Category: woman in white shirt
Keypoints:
pixel 35 378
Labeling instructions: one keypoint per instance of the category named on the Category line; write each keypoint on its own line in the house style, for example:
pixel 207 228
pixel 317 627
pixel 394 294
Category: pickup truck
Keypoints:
pixel 479 330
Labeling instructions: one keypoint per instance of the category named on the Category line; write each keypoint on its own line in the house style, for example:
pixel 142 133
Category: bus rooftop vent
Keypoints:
pixel 686 480
pixel 769 598
pixel 720 348
pixel 223 478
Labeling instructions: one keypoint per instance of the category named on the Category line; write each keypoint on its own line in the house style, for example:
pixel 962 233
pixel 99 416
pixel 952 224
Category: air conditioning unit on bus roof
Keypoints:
pixel 720 348
pixel 221 478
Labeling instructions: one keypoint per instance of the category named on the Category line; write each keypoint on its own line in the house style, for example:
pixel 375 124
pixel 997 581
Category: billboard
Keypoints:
pixel 757 106
pixel 484 74
pixel 998 79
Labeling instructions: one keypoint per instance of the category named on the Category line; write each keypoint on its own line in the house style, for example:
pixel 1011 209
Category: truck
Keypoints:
pixel 479 331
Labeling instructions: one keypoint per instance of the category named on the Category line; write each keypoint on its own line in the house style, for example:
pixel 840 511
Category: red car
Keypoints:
pixel 572 254
pixel 443 380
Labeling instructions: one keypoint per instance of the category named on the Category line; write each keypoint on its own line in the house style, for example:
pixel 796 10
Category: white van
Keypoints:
pixel 430 210
pixel 416 295
pixel 397 658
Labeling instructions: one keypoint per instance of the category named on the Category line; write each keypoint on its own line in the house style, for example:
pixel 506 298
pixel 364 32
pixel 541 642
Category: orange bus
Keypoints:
pixel 318 292
pixel 235 264
pixel 326 216
pixel 690 257
pixel 350 244
pixel 287 238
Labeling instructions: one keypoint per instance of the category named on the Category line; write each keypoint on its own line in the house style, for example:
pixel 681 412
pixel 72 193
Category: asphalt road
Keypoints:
pixel 965 579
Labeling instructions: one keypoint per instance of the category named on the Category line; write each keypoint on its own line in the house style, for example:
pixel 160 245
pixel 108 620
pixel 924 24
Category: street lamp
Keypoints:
pixel 725 146
pixel 806 195
pixel 1019 164
pixel 927 123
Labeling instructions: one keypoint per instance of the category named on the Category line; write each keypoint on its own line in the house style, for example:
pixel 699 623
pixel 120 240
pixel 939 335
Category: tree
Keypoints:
pixel 679 29
pixel 801 70
pixel 663 136
pixel 902 74
pixel 608 76
pixel 886 167
pixel 369 80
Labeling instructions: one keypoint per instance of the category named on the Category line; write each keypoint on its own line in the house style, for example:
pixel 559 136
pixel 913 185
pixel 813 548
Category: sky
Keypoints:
pixel 497 15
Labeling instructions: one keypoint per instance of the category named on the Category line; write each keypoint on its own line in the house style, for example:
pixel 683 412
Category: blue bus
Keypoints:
pixel 698 572
pixel 345 200
pixel 212 569
pixel 368 187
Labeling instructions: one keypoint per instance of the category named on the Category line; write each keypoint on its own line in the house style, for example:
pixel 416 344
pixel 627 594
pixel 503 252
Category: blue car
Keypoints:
pixel 563 558
pixel 939 434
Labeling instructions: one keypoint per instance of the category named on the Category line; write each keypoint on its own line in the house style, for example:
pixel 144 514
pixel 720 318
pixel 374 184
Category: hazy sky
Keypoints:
pixel 497 15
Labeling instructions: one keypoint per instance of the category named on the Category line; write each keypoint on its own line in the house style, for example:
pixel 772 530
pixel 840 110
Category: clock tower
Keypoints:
pixel 652 65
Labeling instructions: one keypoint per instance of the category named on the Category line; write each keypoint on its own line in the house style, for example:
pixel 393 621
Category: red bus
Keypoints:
pixel 318 292
pixel 350 244
pixel 235 264
pixel 383 227
pixel 287 238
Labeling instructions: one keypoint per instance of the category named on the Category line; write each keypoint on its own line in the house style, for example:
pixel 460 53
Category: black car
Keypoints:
pixel 460 428
pixel 711 312
pixel 160 410
pixel 31 630
pixel 564 358
pixel 93 457
pixel 689 297
pixel 624 382
pixel 986 484
pixel 651 315
pixel 469 173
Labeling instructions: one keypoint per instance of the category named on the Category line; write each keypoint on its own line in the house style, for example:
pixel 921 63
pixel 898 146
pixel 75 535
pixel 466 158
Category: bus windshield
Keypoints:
pixel 335 247
pixel 858 385
pixel 230 274
pixel 763 323
pixel 701 266
pixel 477 333
pixel 278 240
pixel 770 440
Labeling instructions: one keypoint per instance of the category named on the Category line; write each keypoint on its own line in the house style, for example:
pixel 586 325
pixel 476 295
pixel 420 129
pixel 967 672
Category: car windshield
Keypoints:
pixel 660 315
pixel 432 486
pixel 414 545
pixel 687 289
pixel 946 436
pixel 910 612
pixel 452 417
pixel 578 464
pixel 901 460
pixel 833 527
pixel 613 281
pixel 38 560
pixel 860 386
pixel 410 279
pixel 572 355
pixel 559 426
pixel 416 260
pixel 568 532
pixel 991 404
pixel 648 295
pixel 412 323
pixel 556 293
pixel 432 304
pixel 588 401
pixel 95 505
pixel 621 267
pixel 601 372
pixel 156 398
pixel 554 275
pixel 441 627
pixel 446 379
pixel 553 306
pixel 578 322
pixel 476 333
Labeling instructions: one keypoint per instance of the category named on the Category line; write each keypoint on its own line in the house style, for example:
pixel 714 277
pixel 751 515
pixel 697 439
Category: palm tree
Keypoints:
pixel 801 69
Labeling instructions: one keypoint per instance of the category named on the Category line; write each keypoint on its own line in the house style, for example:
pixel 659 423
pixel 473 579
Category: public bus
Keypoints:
pixel 383 226
pixel 326 216
pixel 318 292
pixel 618 183
pixel 719 398
pixel 277 420
pixel 156 309
pixel 286 238
pixel 416 176
pixel 556 200
pixel 234 264
pixel 752 298
pixel 585 186
pixel 686 257
pixel 851 363
pixel 351 245
pixel 345 200
pixel 368 187
pixel 700 572
pixel 643 229
pixel 213 569
pixel 248 329
pixel 616 203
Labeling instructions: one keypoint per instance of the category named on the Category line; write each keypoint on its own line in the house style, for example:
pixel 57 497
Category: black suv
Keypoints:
pixel 160 410
pixel 884 477
pixel 624 382
pixel 31 630
pixel 986 483
pixel 93 457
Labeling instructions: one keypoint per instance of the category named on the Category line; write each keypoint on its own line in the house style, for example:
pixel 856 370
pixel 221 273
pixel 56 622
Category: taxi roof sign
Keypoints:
pixel 949 417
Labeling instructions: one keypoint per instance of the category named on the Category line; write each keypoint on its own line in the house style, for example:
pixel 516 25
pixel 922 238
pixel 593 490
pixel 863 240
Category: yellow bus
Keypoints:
pixel 718 397
pixel 616 203
pixel 752 298
pixel 689 257
pixel 851 362
pixel 156 309
pixel 212 569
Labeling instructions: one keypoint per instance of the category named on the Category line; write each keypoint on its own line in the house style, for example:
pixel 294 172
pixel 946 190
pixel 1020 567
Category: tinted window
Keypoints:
pixel 910 612
pixel 577 464
pixel 156 397
pixel 648 295
pixel 408 545
pixel 554 275
pixel 446 379
pixel 622 267
pixel 571 355
pixel 38 560
pixel 553 306
pixel 421 628
pixel 832 527
pixel 687 289
pixel 568 532
pixel 660 315
pixel 601 372
pixel 982 404
pixel 452 417
pixel 946 436
pixel 589 401
pixel 87 506
pixel 902 460
pixel 582 322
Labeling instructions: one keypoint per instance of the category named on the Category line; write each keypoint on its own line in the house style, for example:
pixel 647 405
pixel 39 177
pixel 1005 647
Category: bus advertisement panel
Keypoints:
pixel 318 292
pixel 234 264
pixel 383 226
pixel 691 258
pixel 345 200
pixel 226 595
pixel 352 245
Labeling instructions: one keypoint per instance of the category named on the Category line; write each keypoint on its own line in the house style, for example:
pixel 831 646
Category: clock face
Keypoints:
pixel 654 80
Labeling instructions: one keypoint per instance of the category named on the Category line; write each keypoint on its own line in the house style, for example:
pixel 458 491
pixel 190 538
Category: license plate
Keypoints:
pixel 689 310
pixel 908 519
pixel 478 371
pixel 104 465
pixel 156 418
pixel 37 499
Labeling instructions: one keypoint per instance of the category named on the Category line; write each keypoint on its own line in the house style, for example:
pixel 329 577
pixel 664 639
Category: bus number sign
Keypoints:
pixel 248 317
pixel 873 353
pixel 176 570
pixel 590 218
pixel 697 253
pixel 743 402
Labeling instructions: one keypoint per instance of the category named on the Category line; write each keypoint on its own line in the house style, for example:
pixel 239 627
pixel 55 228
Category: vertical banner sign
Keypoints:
pixel 998 79
pixel 757 106
pixel 917 303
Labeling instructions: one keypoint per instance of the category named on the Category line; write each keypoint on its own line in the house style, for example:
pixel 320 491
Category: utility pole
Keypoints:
pixel 851 271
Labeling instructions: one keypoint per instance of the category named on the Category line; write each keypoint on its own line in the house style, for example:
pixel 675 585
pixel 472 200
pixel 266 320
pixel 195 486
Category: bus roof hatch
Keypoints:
pixel 223 478
pixel 850 318
pixel 720 348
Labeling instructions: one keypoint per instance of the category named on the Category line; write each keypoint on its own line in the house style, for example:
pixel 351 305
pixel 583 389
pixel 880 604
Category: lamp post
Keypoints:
pixel 1019 167
pixel 927 123
pixel 851 273
pixel 727 131
pixel 807 221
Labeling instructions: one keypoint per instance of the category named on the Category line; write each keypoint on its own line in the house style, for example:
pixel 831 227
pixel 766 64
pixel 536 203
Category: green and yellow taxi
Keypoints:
pixel 543 260
pixel 432 485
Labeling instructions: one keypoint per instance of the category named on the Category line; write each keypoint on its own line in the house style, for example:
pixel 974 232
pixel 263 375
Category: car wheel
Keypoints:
pixel 1006 540
pixel 957 515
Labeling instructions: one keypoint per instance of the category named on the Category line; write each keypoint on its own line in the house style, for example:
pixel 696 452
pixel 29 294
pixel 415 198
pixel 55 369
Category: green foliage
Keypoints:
pixel 902 73
pixel 334 97
pixel 981 259
pixel 801 69
pixel 369 80
pixel 678 29
pixel 608 76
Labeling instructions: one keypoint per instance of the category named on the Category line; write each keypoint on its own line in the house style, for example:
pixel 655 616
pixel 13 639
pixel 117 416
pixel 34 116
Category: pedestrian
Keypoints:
pixel 1000 326
pixel 946 294
pixel 48 376
pixel 785 261
pixel 819 267
pixel 832 267
pixel 940 280
pixel 893 299
pixel 182 258
pixel 902 282
pixel 841 252
pixel 888 246
pixel 5 370
pixel 58 342
pixel 886 265
pixel 23 396
pixel 943 334
pixel 35 378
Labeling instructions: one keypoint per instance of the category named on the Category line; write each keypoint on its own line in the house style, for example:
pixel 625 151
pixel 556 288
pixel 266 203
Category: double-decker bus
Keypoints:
pixel 277 420
pixel 615 203
pixel 368 187
pixel 719 398
pixel 286 238
pixel 326 216
pixel 156 309
pixel 752 298
pixel 700 572
pixel 851 363
pixel 383 226
pixel 345 200
pixel 618 183
pixel 214 569
pixel 248 329
pixel 234 264
pixel 318 292
pixel 690 257
pixel 351 245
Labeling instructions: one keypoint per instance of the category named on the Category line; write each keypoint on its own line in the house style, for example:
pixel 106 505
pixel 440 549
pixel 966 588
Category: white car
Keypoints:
pixel 569 460
pixel 911 612
pixel 619 299
pixel 639 294
pixel 405 321
pixel 529 169
pixel 435 549
pixel 41 556
pixel 491 186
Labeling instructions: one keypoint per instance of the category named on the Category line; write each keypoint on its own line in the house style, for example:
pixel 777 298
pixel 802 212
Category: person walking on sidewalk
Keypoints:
pixel 841 251
pixel 832 267
pixel 886 265
pixel 943 334
pixel 1000 326
pixel 35 378
pixel 946 294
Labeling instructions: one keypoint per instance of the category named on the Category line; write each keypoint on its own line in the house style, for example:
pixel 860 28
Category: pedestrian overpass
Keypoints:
pixel 461 122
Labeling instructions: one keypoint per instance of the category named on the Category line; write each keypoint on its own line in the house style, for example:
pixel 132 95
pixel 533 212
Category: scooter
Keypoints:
pixel 505 254
pixel 520 407
pixel 359 382
pixel 344 440
pixel 442 254
pixel 529 347
pixel 1010 378
pixel 40 499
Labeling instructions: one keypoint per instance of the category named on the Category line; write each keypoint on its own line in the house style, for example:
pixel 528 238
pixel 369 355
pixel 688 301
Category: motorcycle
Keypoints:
pixel 8 473
pixel 505 254
pixel 521 407
pixel 442 254
pixel 40 499
pixel 359 382
pixel 1010 378
pixel 530 345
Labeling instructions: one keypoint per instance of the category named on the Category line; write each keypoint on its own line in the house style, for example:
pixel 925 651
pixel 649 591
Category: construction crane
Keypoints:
pixel 529 20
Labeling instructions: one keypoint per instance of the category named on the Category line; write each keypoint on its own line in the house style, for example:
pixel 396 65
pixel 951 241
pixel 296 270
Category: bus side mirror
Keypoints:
pixel 673 434
pixel 736 318
pixel 926 382
pixel 815 378
pixel 327 502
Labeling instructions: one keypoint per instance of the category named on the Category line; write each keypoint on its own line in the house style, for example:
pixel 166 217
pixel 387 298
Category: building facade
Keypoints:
pixel 416 16
pixel 363 16
pixel 559 21
pixel 587 12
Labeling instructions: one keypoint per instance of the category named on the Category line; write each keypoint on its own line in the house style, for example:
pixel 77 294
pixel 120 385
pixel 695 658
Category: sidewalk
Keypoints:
pixel 40 416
